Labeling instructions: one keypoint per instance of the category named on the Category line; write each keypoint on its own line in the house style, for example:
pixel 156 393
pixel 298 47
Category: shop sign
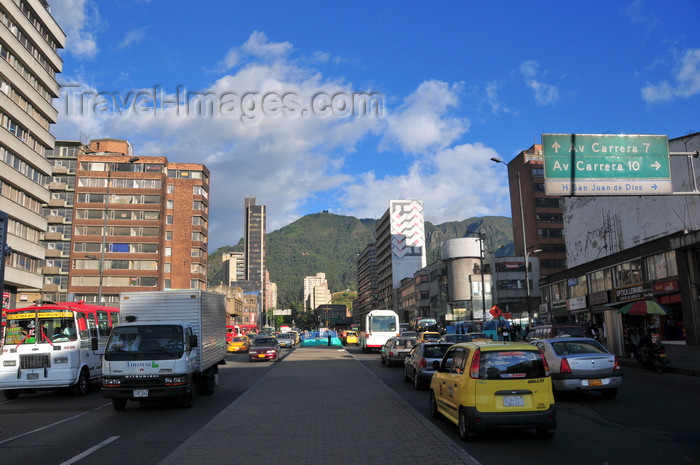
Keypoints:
pixel 598 298
pixel 577 303
pixel 634 292
pixel 559 306
pixel 666 287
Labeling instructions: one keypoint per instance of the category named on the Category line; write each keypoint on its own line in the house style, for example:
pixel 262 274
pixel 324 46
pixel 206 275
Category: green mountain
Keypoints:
pixel 328 243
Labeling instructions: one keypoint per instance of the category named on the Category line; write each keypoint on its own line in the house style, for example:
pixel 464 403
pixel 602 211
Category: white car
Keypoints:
pixel 581 364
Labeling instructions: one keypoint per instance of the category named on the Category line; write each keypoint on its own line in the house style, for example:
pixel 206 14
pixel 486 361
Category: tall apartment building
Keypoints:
pixel 543 214
pixel 367 297
pixel 234 267
pixel 59 215
pixel 400 245
pixel 140 223
pixel 316 291
pixel 254 241
pixel 29 43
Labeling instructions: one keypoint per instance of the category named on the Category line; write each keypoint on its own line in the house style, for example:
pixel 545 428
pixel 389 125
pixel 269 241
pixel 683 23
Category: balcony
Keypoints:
pixel 57 203
pixel 50 270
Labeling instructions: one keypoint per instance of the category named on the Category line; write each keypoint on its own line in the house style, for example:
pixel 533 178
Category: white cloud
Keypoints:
pixel 545 94
pixel 420 123
pixel 134 36
pixel 290 161
pixel 454 183
pixel 685 80
pixel 79 19
pixel 256 47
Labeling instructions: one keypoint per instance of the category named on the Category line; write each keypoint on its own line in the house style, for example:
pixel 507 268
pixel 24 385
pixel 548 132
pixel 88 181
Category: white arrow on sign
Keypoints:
pixel 556 147
pixel 656 165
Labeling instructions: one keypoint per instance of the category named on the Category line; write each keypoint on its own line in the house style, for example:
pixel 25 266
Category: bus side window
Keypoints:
pixel 82 325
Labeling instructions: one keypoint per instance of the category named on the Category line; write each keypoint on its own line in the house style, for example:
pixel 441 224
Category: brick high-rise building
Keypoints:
pixel 29 45
pixel 140 223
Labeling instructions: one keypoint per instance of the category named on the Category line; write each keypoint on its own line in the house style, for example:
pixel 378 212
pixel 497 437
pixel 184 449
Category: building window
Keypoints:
pixel 628 273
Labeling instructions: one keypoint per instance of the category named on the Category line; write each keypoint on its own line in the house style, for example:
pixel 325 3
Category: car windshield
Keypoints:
pixel 510 364
pixel 238 339
pixel 578 347
pixel 436 351
pixel 404 343
pixel 264 341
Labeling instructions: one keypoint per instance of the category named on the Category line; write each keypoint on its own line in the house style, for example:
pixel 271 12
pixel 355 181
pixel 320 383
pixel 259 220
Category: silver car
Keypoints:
pixel 418 365
pixel 286 340
pixel 581 364
pixel 395 350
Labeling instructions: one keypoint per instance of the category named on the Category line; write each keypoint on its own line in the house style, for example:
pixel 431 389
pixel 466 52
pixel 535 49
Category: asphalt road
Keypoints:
pixel 52 427
pixel 653 419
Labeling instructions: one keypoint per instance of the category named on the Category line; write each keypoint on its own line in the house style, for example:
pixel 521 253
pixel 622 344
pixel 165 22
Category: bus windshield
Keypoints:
pixel 152 342
pixel 383 323
pixel 57 327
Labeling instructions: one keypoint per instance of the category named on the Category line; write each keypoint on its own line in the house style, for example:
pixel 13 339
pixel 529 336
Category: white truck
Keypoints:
pixel 168 344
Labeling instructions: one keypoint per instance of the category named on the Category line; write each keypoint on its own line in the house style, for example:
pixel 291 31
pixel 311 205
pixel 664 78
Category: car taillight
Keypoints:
pixel 616 366
pixel 391 353
pixel 423 363
pixel 565 367
pixel 474 368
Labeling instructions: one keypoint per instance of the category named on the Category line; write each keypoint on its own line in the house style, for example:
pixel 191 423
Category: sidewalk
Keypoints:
pixel 685 360
pixel 319 405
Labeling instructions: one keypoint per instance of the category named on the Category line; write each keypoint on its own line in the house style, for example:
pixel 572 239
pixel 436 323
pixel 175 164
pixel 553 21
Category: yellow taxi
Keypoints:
pixel 426 336
pixel 351 338
pixel 479 386
pixel 239 344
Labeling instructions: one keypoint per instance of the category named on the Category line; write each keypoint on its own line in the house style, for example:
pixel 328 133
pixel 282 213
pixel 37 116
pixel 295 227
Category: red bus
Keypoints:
pixel 238 330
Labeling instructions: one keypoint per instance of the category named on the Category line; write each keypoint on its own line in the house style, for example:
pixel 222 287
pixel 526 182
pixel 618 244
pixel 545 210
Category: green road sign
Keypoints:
pixel 606 164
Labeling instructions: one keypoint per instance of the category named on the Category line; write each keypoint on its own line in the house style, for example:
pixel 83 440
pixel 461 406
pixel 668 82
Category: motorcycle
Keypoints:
pixel 653 358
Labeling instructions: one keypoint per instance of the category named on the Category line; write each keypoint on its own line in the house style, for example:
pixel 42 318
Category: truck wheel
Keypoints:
pixel 81 387
pixel 187 400
pixel 119 404
pixel 11 394
pixel 208 382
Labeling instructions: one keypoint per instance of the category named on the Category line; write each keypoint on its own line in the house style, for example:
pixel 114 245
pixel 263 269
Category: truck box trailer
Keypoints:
pixel 168 345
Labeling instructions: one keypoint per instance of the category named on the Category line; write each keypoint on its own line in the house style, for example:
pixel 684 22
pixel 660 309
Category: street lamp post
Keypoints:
pixel 522 223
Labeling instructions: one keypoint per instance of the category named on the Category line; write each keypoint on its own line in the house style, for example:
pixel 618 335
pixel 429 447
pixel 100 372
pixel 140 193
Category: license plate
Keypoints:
pixel 261 355
pixel 513 401
pixel 595 382
pixel 32 375
pixel 140 392
pixel 662 355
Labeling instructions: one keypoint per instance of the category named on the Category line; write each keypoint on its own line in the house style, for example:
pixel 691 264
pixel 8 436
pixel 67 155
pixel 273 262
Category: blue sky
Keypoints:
pixel 454 83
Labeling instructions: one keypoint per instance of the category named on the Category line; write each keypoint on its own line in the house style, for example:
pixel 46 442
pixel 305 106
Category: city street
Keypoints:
pixel 52 427
pixel 649 421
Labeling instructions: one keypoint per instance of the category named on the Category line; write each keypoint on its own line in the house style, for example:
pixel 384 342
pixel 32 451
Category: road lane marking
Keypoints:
pixel 51 425
pixel 90 451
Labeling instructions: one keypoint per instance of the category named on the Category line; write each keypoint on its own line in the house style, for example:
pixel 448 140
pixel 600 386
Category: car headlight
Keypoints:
pixel 111 382
pixel 60 360
pixel 172 380
pixel 9 363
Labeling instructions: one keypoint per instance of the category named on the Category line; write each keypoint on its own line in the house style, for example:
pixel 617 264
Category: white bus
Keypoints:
pixel 54 345
pixel 377 327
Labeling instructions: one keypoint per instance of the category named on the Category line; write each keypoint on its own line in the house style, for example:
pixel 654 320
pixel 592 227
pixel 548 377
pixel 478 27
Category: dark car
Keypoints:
pixel 455 338
pixel 264 348
pixel 418 365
